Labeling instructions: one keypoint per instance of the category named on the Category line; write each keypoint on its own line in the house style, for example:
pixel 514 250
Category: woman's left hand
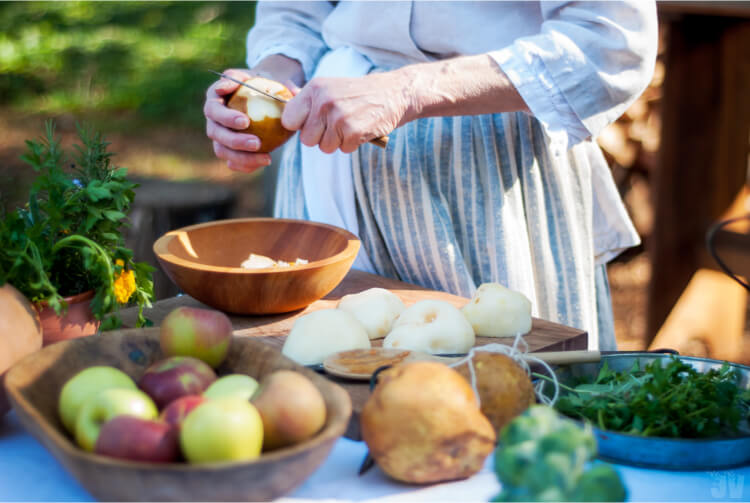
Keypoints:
pixel 343 113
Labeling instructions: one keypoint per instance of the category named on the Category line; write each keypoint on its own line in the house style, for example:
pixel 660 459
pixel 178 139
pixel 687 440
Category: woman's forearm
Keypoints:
pixel 465 85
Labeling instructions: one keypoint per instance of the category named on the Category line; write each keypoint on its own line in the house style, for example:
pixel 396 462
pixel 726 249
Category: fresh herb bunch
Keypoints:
pixel 67 239
pixel 673 400
pixel 542 456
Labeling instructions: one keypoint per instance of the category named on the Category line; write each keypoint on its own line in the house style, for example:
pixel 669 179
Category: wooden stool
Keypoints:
pixel 164 205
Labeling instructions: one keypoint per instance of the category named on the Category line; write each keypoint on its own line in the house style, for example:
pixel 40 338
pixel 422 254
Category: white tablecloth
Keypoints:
pixel 29 473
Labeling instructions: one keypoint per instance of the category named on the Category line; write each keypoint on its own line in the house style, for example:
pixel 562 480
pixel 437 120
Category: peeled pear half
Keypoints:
pixel 264 112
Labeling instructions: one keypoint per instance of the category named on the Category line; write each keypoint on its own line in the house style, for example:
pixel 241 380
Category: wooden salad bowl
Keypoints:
pixel 204 261
pixel 35 382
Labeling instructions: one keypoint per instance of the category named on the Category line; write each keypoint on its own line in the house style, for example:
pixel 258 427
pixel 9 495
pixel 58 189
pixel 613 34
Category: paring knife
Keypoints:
pixel 380 142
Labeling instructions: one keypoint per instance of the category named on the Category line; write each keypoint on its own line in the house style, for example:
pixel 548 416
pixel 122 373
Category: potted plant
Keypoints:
pixel 66 242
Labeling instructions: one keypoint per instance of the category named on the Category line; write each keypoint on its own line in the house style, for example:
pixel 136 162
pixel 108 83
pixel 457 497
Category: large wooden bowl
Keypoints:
pixel 35 382
pixel 204 261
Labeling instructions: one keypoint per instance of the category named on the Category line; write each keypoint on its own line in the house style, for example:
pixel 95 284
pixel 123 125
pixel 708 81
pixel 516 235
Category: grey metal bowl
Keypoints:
pixel 658 452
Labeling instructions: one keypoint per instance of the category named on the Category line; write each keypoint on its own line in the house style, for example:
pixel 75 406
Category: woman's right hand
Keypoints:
pixel 223 125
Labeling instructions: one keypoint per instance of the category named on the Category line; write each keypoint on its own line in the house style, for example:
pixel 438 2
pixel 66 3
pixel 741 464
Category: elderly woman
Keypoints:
pixel 491 173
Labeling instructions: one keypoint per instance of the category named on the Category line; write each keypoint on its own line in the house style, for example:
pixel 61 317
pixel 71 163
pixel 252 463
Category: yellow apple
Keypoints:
pixel 264 112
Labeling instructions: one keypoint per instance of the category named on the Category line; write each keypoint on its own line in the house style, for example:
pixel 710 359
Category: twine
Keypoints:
pixel 522 357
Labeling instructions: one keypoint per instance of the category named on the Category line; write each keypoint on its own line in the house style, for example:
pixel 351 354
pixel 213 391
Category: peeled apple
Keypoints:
pixel 432 326
pixel 321 333
pixel 422 424
pixel 20 333
pixel 264 112
pixel 375 308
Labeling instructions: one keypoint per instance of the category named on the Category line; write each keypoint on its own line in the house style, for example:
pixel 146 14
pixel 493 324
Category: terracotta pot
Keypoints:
pixel 78 321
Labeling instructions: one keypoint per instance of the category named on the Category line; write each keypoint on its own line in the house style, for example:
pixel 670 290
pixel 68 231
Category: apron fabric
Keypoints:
pixel 460 201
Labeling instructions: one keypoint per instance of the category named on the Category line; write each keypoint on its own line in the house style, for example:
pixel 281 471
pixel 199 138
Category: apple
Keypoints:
pixel 85 384
pixel 224 429
pixel 205 334
pixel 138 439
pixel 170 378
pixel 107 404
pixel 238 385
pixel 291 407
pixel 177 410
pixel 264 112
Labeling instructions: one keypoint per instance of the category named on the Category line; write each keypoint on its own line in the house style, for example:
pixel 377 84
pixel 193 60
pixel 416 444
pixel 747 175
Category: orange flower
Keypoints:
pixel 124 283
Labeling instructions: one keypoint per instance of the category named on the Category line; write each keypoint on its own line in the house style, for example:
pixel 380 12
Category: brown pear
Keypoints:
pixel 504 388
pixel 422 424
pixel 291 407
pixel 264 112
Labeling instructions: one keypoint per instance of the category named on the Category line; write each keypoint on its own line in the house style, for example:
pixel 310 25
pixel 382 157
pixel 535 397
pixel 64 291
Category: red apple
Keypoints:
pixel 168 379
pixel 176 412
pixel 137 439
pixel 201 333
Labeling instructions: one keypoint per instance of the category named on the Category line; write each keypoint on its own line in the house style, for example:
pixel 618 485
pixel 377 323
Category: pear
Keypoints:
pixel 264 112
pixel 504 388
pixel 422 424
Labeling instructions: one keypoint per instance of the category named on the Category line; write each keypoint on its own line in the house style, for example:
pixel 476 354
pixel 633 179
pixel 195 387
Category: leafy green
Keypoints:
pixel 66 239
pixel 543 457
pixel 672 400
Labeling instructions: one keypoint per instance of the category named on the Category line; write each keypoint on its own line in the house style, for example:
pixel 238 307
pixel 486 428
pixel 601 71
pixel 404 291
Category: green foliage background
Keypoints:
pixel 101 58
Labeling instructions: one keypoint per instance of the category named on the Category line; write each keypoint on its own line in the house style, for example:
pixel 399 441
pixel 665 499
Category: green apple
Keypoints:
pixel 85 384
pixel 224 429
pixel 237 385
pixel 106 405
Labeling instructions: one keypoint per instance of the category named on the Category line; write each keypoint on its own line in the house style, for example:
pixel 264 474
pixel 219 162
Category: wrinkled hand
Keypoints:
pixel 238 149
pixel 343 113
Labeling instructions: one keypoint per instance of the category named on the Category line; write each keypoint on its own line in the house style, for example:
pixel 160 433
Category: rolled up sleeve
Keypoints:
pixel 292 29
pixel 587 64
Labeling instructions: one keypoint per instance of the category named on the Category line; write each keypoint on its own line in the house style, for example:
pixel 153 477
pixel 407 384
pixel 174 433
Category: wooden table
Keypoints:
pixel 544 335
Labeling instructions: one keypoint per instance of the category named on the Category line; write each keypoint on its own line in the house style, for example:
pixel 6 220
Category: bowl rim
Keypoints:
pixel 330 432
pixel 161 247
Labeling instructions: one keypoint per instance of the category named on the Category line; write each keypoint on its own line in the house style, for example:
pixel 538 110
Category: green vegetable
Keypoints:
pixel 67 239
pixel 672 400
pixel 542 456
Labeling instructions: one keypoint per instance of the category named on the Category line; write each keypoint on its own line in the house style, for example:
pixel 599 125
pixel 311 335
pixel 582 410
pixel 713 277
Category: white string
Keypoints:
pixel 522 357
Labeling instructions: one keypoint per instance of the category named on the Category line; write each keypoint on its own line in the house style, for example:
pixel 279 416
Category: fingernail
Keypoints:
pixel 253 144
pixel 241 122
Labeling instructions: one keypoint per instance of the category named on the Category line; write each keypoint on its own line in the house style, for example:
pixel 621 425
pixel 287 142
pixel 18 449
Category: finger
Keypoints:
pixel 292 87
pixel 331 140
pixel 295 112
pixel 214 109
pixel 231 139
pixel 226 86
pixel 241 161
pixel 351 140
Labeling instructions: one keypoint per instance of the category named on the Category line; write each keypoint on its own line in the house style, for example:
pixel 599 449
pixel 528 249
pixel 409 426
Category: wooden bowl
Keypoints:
pixel 204 261
pixel 35 382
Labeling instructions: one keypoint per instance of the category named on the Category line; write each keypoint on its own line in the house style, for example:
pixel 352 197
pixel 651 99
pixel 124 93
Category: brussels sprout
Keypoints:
pixel 600 483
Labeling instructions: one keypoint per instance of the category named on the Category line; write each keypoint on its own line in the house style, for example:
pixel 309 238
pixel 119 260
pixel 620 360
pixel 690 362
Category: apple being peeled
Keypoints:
pixel 85 384
pixel 201 333
pixel 264 112
pixel 225 429
pixel 291 406
pixel 176 412
pixel 168 379
pixel 106 405
pixel 138 439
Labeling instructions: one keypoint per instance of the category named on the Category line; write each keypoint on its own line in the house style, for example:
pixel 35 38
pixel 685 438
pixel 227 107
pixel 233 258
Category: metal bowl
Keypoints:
pixel 659 452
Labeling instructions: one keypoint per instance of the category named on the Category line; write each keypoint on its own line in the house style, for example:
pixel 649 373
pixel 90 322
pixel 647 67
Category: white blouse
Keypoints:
pixel 578 65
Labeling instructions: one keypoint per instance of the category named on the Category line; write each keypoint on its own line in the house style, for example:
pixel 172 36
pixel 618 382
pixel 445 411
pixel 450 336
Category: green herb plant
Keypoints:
pixel 542 456
pixel 673 400
pixel 67 239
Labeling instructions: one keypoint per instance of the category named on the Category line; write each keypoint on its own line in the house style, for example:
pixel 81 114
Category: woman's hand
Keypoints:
pixel 222 123
pixel 343 113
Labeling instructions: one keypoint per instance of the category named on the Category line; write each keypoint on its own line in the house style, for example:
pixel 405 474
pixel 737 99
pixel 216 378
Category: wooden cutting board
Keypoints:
pixel 544 335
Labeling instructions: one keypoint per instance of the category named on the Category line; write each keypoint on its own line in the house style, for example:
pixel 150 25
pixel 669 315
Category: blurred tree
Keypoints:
pixel 100 58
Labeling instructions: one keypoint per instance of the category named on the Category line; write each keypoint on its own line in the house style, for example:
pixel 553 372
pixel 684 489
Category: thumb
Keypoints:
pixel 295 112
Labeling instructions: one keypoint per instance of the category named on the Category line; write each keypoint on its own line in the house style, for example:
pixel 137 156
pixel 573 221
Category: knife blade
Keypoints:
pixel 381 142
